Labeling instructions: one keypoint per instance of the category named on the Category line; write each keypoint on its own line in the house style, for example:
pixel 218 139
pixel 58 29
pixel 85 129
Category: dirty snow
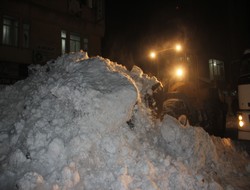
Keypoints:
pixel 83 123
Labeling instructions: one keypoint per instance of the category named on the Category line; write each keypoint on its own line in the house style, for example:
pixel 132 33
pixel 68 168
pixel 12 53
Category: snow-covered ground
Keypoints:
pixel 83 123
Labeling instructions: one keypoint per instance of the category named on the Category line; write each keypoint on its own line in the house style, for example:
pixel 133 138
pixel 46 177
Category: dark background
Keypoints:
pixel 210 29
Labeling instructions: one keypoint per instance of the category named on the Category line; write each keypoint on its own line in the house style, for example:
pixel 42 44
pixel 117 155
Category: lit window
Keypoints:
pixel 85 44
pixel 10 31
pixel 216 69
pixel 63 41
pixel 74 42
pixel 26 35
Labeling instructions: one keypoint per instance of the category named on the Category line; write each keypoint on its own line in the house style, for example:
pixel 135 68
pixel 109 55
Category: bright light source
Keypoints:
pixel 179 72
pixel 178 47
pixel 152 55
pixel 241 123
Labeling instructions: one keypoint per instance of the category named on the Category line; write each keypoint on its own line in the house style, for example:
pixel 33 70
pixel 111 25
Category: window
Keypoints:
pixel 10 31
pixel 99 10
pixel 85 44
pixel 88 3
pixel 216 69
pixel 245 65
pixel 74 42
pixel 26 35
pixel 63 41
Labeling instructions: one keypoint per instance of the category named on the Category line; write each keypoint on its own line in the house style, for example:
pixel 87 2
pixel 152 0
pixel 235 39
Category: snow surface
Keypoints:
pixel 83 123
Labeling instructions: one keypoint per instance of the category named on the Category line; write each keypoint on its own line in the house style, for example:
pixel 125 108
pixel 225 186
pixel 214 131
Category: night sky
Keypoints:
pixel 211 29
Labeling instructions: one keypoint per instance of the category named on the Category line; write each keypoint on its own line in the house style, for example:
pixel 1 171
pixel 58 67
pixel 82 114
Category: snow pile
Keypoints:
pixel 83 123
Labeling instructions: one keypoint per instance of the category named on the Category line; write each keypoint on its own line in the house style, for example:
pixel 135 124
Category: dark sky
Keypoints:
pixel 212 29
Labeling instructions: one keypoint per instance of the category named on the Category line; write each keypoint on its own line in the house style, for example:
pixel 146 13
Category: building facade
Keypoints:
pixel 35 31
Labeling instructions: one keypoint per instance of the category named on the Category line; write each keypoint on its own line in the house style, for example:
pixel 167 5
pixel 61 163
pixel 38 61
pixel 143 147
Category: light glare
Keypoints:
pixel 179 72
pixel 152 55
pixel 178 47
pixel 241 123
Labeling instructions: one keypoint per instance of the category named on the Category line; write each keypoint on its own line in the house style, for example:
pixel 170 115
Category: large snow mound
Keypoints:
pixel 83 123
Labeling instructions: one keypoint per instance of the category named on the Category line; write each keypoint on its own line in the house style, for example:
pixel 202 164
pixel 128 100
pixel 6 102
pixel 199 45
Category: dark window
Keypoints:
pixel 75 42
pixel 10 31
pixel 85 44
pixel 26 35
pixel 245 65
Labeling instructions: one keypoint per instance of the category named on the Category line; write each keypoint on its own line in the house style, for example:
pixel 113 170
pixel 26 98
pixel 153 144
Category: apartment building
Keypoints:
pixel 35 31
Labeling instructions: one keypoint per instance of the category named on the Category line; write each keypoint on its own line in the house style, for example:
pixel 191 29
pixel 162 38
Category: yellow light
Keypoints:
pixel 179 72
pixel 240 117
pixel 178 47
pixel 241 123
pixel 152 55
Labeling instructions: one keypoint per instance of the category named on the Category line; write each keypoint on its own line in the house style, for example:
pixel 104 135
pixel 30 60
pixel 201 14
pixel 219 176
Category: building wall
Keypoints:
pixel 46 19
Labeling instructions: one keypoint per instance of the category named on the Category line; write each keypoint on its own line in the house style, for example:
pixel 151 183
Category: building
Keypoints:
pixel 35 31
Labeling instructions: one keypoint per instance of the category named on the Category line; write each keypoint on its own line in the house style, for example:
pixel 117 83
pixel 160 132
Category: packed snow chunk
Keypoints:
pixel 30 181
pixel 94 86
pixel 190 144
pixel 70 176
pixel 143 82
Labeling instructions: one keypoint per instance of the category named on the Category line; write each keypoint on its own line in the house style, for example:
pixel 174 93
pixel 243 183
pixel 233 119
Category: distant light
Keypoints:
pixel 241 123
pixel 240 118
pixel 152 55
